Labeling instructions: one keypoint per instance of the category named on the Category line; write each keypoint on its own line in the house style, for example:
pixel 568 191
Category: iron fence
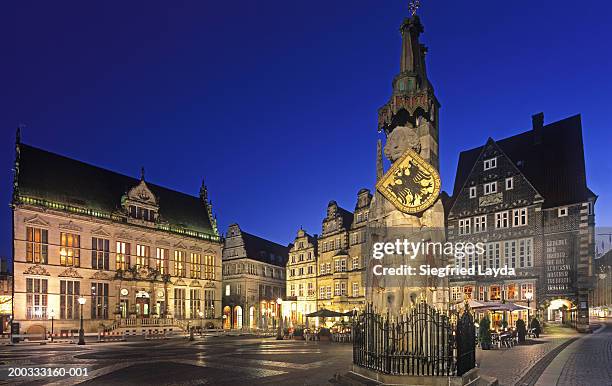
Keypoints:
pixel 420 342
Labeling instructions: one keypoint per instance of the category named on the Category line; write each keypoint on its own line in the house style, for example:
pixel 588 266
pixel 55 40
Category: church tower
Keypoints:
pixel 413 101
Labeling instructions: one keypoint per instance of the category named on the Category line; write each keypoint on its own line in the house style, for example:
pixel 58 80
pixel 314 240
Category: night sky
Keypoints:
pixel 274 102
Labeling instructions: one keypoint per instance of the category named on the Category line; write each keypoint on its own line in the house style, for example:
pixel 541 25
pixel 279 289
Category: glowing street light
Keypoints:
pixel 51 316
pixel 82 301
pixel 528 296
pixel 279 333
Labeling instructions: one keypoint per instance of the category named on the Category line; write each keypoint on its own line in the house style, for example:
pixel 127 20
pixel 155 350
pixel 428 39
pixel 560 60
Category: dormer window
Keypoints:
pixel 490 163
pixel 142 213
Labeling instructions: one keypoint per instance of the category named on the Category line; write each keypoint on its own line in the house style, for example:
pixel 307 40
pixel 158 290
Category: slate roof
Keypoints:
pixel 264 250
pixel 52 177
pixel 554 165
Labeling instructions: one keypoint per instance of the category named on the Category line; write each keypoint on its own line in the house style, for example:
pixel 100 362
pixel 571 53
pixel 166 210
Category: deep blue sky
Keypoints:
pixel 274 102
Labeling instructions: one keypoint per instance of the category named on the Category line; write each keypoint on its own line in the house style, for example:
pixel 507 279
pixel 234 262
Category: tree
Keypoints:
pixel 484 333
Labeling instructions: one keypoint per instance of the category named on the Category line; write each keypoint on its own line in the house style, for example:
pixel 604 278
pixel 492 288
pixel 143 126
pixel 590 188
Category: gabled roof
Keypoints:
pixel 347 217
pixel 264 250
pixel 551 158
pixel 52 177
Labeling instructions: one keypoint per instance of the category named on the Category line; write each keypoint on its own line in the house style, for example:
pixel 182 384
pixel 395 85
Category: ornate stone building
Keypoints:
pixel 301 296
pixel 253 280
pixel 526 197
pixel 138 253
pixel 341 263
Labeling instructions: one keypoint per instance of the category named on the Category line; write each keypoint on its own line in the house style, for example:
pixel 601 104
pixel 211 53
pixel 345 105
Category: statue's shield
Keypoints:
pixel 411 184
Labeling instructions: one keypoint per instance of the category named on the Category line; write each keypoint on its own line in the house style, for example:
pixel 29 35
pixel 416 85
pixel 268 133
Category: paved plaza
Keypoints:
pixel 560 357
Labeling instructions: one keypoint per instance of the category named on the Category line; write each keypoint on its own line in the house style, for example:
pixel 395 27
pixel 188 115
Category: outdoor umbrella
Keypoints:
pixel 325 313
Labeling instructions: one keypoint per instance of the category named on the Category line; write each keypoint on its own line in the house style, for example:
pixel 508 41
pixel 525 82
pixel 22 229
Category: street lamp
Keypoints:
pixel 528 296
pixel 81 332
pixel 51 316
pixel 201 322
pixel 279 333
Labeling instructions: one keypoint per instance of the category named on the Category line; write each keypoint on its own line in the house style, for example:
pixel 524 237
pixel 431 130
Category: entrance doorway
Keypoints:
pixel 238 317
pixel 123 305
pixel 227 317
pixel 142 304
pixel 558 310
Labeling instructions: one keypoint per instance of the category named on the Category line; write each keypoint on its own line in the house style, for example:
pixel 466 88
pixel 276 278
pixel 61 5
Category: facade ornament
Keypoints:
pixel 71 226
pixel 37 270
pixel 195 283
pixel 16 166
pixel 70 272
pixel 36 220
pixel 100 231
pixel 101 275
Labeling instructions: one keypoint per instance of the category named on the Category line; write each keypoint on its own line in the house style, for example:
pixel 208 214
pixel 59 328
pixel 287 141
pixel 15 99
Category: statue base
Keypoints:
pixel 360 376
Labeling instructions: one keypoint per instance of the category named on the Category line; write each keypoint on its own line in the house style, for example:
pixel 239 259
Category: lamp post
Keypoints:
pixel 81 332
pixel 52 317
pixel 528 296
pixel 279 333
pixel 201 322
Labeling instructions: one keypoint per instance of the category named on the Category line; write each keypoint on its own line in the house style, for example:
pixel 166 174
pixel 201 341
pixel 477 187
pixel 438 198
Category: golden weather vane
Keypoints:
pixel 413 6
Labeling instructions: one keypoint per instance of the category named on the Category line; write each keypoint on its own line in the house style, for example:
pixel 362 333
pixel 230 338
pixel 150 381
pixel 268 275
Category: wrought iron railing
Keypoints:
pixel 420 342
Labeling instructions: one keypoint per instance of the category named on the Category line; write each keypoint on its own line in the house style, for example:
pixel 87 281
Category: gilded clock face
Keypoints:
pixel 124 292
pixel 411 184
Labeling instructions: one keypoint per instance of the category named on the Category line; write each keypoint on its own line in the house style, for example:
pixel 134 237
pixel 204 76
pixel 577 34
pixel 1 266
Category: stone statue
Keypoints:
pixel 387 224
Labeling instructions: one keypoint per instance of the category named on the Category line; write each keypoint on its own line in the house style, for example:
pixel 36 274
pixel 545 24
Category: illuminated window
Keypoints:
pixel 467 291
pixel 511 292
pixel 161 258
pixel 310 288
pixel 355 262
pixel 456 293
pixel 337 288
pixel 292 291
pixel 227 290
pixel 329 291
pixel 36 298
pixel 70 252
pixel 209 267
pixel 328 267
pixel 123 256
pixel 143 253
pixel 100 251
pixel 355 290
pixel 495 292
pixel 196 266
pixel 525 288
pixel 179 263
pixel 321 292
pixel 301 289
pixel 37 246
pixel 343 289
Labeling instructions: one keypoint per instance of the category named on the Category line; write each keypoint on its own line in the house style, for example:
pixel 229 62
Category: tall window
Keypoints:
pixel 501 220
pixel 355 290
pixel 519 217
pixel 209 304
pixel 179 263
pixel 355 262
pixel 37 246
pixel 195 303
pixel 161 257
pixel 69 295
pixel 310 288
pixel 510 253
pixel 123 256
pixel 472 191
pixel 301 289
pixel 321 292
pixel 495 292
pixel 509 183
pixel 511 292
pixel 337 288
pixel 343 289
pixel 99 300
pixel 343 265
pixel 36 298
pixel 493 255
pixel 292 290
pixel 525 253
pixel 526 287
pixel 480 224
pixel 70 252
pixel 196 266
pixel 179 303
pixel 464 226
pixel 143 252
pixel 100 251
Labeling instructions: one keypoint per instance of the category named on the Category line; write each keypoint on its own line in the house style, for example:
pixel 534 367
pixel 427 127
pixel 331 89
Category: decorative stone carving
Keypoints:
pixel 100 231
pixel 37 269
pixel 179 281
pixel 36 220
pixel 142 193
pixel 195 283
pixel 209 284
pixel 101 275
pixel 491 199
pixel 70 272
pixel 180 245
pixel 143 239
pixel 163 242
pixel 400 139
pixel 123 235
pixel 195 248
pixel 70 226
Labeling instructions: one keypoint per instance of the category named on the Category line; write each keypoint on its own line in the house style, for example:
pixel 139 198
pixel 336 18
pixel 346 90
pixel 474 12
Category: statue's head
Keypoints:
pixel 399 140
